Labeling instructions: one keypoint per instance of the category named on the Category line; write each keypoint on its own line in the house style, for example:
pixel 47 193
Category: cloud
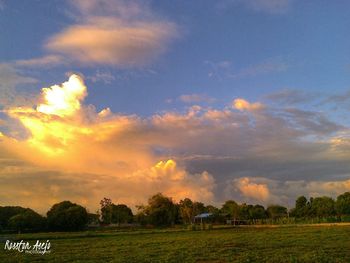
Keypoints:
pixel 205 153
pixel 196 98
pixel 258 192
pixel 242 104
pixel 46 61
pixel 265 67
pixel 225 69
pixel 268 191
pixel 291 97
pixel 106 32
pixel 102 76
pixel 109 41
pixel 64 100
pixel 118 33
pixel 103 152
pixel 168 178
pixel 10 79
pixel 39 188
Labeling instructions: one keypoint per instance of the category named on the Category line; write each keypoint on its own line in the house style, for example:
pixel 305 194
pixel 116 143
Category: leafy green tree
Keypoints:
pixel 198 208
pixel 276 211
pixel 301 207
pixel 245 211
pixel 160 211
pixel 323 206
pixel 231 208
pixel 212 209
pixel 189 209
pixel 258 212
pixel 67 216
pixel 111 213
pixel 121 214
pixel 186 210
pixel 342 205
pixel 106 210
pixel 28 220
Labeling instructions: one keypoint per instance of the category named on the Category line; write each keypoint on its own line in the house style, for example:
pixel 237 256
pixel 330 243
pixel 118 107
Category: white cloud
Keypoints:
pixel 119 33
pixel 46 61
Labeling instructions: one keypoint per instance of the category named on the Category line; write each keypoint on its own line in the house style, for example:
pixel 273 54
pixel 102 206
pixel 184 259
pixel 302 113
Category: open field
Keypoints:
pixel 329 243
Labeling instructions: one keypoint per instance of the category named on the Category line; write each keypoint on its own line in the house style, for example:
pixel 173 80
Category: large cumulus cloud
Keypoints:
pixel 248 151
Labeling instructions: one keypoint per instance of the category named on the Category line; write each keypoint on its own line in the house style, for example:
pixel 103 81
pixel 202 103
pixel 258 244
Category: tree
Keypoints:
pixel 342 205
pixel 111 213
pixel 301 207
pixel 212 209
pixel 67 216
pixel 198 208
pixel 121 214
pixel 258 212
pixel 186 210
pixel 323 206
pixel 276 211
pixel 231 208
pixel 28 220
pixel 6 212
pixel 160 211
pixel 245 211
pixel 106 210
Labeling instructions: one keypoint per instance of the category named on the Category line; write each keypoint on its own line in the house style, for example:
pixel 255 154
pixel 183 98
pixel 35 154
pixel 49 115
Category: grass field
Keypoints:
pixel 242 244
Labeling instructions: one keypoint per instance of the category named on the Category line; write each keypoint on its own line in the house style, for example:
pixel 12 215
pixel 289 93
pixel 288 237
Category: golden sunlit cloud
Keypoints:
pixel 63 100
pixel 127 158
pixel 67 137
pixel 253 190
pixel 242 104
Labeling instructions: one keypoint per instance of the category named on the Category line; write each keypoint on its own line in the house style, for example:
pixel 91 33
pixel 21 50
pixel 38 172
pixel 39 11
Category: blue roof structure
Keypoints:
pixel 203 215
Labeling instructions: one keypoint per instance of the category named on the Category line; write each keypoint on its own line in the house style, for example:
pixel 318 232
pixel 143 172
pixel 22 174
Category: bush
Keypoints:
pixel 67 216
pixel 28 221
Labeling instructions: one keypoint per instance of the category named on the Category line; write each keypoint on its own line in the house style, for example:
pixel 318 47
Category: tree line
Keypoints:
pixel 162 211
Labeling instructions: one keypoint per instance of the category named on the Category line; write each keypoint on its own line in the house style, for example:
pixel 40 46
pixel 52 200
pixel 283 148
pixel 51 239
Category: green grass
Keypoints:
pixel 249 244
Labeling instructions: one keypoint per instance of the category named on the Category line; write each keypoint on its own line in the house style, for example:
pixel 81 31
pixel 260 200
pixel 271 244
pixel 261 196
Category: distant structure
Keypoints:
pixel 202 216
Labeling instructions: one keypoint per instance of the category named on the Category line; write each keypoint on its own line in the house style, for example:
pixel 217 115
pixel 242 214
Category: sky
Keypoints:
pixel 212 100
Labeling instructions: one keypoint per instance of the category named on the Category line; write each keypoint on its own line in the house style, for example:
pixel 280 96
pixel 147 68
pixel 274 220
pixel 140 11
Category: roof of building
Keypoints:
pixel 203 215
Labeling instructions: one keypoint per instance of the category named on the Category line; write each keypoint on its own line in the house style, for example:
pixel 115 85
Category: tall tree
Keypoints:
pixel 342 204
pixel 258 212
pixel 301 207
pixel 160 211
pixel 186 210
pixel 323 206
pixel 231 208
pixel 106 210
pixel 121 214
pixel 276 211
